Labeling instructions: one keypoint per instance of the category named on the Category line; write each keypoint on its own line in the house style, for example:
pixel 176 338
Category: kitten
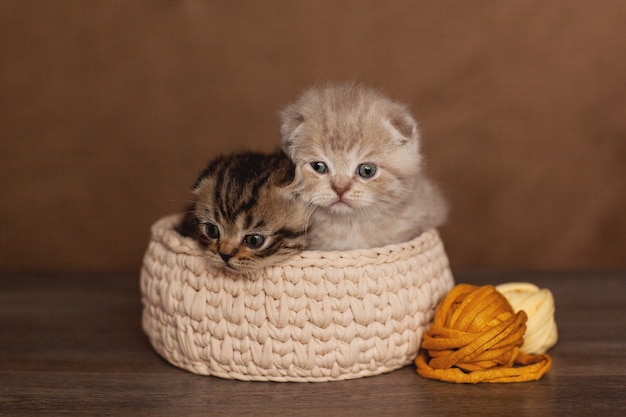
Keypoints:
pixel 359 157
pixel 245 215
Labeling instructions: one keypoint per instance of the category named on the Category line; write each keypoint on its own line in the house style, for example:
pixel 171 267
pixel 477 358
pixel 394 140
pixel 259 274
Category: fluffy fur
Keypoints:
pixel 369 189
pixel 245 215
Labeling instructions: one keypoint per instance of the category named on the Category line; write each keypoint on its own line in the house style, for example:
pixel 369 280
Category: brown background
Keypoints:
pixel 109 109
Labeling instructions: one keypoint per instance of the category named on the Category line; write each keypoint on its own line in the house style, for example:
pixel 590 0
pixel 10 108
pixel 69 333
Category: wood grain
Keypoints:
pixel 73 345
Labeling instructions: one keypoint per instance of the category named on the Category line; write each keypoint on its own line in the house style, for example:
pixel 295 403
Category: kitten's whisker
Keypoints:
pixel 194 202
pixel 309 214
pixel 182 201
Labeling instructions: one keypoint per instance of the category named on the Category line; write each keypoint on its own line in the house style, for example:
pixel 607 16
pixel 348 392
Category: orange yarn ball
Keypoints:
pixel 475 337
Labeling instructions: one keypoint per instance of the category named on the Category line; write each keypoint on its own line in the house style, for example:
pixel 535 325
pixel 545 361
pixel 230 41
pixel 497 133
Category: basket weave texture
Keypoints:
pixel 320 316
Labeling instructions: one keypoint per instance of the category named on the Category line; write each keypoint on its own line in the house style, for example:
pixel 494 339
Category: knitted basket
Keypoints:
pixel 320 316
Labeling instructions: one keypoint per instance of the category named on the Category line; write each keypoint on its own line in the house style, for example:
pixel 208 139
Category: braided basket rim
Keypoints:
pixel 390 293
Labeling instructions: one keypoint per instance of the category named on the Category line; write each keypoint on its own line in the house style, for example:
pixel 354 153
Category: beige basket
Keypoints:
pixel 321 316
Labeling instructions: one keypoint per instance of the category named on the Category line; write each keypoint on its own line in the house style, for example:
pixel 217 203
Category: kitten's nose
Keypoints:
pixel 340 185
pixel 226 256
pixel 341 189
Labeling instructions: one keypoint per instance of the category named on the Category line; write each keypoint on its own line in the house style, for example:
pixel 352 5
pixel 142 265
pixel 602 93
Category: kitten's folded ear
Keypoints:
pixel 401 125
pixel 285 171
pixel 290 120
pixel 188 225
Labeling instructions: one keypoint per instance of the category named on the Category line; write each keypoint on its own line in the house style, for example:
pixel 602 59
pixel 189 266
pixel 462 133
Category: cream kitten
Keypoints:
pixel 359 158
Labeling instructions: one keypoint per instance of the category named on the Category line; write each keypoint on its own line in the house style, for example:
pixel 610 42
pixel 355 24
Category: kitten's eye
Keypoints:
pixel 211 230
pixel 319 167
pixel 254 241
pixel 367 170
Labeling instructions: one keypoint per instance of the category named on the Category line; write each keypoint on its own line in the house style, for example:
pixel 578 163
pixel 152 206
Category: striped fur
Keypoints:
pixel 241 200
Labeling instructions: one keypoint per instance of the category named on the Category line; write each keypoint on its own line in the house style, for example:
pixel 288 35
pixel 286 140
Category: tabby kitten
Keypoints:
pixel 245 215
pixel 360 162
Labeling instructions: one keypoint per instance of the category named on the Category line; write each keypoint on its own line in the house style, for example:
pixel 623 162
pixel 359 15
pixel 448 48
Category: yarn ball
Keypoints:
pixel 475 337
pixel 538 304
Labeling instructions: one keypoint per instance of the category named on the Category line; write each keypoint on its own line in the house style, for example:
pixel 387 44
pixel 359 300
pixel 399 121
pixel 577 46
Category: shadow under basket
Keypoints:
pixel 320 316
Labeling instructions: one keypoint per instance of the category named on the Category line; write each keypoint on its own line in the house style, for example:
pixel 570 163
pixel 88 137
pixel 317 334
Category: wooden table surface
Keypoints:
pixel 73 345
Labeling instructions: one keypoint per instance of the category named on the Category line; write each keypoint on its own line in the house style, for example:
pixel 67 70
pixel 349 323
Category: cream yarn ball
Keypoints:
pixel 541 330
